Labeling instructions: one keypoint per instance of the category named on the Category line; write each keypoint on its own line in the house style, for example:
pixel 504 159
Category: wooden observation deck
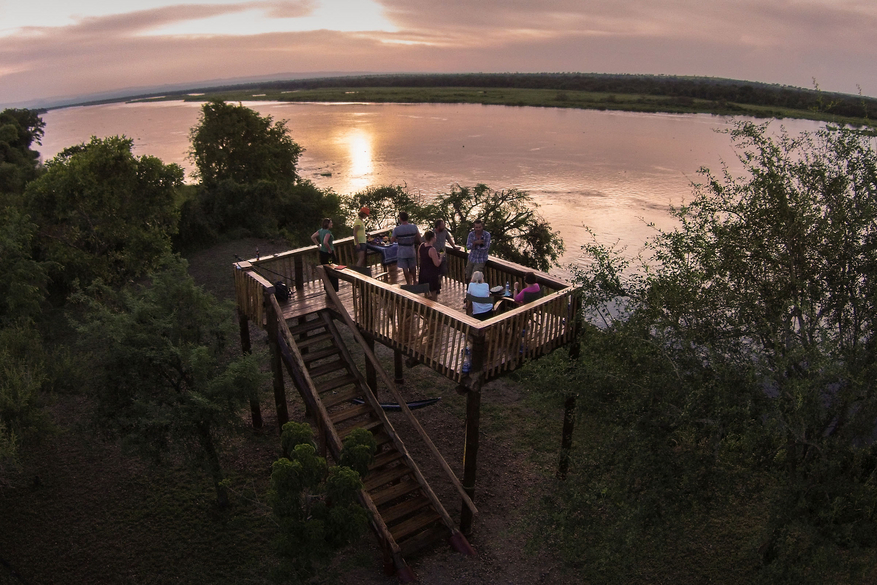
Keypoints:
pixel 406 515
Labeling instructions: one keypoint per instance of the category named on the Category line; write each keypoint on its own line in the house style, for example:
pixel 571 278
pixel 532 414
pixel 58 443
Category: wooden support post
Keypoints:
pixel 246 347
pixel 302 336
pixel 569 421
pixel 276 363
pixel 298 267
pixel 473 422
pixel 398 369
pixel 569 411
pixel 371 374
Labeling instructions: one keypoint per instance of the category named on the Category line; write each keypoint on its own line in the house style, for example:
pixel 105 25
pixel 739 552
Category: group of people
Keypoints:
pixel 428 252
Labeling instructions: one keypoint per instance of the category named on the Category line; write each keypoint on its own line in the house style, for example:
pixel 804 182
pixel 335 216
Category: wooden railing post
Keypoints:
pixel 246 347
pixel 473 422
pixel 298 265
pixel 371 374
pixel 276 359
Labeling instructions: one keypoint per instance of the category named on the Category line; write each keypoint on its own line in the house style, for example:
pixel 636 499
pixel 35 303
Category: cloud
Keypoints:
pixel 786 42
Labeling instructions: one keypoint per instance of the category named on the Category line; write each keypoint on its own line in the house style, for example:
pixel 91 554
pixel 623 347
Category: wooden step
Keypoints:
pixel 351 412
pixel 376 480
pixel 425 538
pixel 369 426
pixel 324 369
pixel 393 513
pixel 307 326
pixel 382 438
pixel 334 383
pixel 384 458
pixel 392 492
pixel 331 399
pixel 313 340
pixel 414 524
pixel 320 354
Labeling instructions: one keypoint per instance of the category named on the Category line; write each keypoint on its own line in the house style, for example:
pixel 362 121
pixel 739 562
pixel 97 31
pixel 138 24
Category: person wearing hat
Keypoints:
pixel 359 235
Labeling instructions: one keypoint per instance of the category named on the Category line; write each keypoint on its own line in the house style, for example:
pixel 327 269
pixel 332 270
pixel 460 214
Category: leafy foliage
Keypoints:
pixel 104 213
pixel 249 183
pixel 19 130
pixel 162 375
pixel 315 505
pixel 23 280
pixel 23 377
pixel 517 232
pixel 734 366
pixel 234 143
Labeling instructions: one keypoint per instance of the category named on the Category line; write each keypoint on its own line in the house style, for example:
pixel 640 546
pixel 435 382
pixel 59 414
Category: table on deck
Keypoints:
pixel 388 253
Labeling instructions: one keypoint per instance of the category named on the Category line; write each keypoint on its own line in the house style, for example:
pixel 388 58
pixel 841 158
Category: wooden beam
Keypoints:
pixel 276 359
pixel 246 348
pixel 473 422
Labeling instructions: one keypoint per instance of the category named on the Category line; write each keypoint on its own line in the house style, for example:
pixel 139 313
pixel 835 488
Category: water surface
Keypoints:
pixel 611 171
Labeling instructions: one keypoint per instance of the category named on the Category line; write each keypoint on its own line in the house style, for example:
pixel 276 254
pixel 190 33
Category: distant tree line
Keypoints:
pixel 721 91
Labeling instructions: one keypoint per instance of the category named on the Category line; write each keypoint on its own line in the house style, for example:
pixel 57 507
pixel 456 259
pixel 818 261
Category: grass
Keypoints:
pixel 519 97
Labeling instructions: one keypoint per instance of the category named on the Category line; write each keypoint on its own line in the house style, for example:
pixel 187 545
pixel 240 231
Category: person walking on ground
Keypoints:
pixel 478 244
pixel 326 241
pixel 430 265
pixel 359 235
pixel 443 240
pixel 408 237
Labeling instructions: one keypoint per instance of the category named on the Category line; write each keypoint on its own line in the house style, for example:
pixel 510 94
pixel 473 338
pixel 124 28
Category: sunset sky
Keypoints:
pixel 54 48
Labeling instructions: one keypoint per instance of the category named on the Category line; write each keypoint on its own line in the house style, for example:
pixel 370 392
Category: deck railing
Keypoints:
pixel 421 328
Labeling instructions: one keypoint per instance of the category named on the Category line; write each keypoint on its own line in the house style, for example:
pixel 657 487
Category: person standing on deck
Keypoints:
pixel 359 235
pixel 443 240
pixel 478 244
pixel 326 241
pixel 408 237
pixel 430 265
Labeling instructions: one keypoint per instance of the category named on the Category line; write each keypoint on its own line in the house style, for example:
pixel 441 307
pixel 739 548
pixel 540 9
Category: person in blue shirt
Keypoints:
pixel 478 244
pixel 408 237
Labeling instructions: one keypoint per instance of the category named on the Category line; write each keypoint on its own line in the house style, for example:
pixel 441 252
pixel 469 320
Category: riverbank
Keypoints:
pixel 630 93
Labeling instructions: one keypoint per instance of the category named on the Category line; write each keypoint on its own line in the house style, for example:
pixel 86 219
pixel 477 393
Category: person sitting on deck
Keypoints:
pixel 479 288
pixel 532 289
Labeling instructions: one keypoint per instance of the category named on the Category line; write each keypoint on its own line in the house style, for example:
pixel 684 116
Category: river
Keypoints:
pixel 613 172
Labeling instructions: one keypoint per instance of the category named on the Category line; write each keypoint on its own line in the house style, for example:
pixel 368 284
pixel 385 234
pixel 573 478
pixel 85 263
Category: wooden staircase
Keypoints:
pixel 406 514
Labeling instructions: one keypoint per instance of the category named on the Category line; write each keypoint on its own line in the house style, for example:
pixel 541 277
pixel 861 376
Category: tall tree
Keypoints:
pixel 103 212
pixel 19 130
pixel 162 375
pixel 517 231
pixel 235 143
pixel 736 362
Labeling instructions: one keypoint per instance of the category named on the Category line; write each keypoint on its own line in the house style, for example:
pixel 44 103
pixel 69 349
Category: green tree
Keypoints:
pixel 234 143
pixel 163 379
pixel 19 164
pixel 734 364
pixel 249 183
pixel 316 506
pixel 23 379
pixel 518 232
pixel 103 213
pixel 23 280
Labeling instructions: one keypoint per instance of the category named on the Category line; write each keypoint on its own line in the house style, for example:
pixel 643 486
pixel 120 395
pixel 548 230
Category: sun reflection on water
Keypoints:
pixel 360 151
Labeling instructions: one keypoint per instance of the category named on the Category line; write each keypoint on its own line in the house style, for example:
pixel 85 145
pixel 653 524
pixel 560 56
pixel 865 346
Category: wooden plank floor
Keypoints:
pixel 312 297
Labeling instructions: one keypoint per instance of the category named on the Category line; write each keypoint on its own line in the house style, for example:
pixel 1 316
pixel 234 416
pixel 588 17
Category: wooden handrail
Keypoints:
pixel 402 404
pixel 311 390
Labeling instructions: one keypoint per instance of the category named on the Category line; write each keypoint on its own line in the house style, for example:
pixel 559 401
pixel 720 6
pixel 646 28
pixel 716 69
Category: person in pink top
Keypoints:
pixel 532 287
